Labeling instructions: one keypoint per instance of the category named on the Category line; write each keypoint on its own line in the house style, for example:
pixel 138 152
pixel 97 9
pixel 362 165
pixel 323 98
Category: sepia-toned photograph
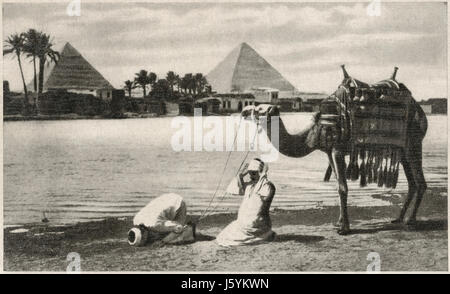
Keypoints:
pixel 225 137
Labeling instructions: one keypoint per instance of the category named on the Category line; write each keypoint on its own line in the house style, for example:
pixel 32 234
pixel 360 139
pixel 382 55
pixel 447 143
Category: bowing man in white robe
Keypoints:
pixel 163 219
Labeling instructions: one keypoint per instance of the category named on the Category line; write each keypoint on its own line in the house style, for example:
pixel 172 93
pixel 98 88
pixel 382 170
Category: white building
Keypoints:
pixel 265 95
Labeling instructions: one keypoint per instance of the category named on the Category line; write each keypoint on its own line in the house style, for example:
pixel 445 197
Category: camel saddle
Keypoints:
pixel 378 117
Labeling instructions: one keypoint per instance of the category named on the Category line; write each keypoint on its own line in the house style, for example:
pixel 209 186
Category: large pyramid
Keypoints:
pixel 72 72
pixel 243 70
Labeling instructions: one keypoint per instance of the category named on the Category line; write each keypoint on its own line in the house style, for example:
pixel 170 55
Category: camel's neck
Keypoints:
pixel 297 145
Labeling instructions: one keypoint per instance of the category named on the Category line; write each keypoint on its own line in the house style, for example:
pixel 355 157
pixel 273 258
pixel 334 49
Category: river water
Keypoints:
pixel 81 170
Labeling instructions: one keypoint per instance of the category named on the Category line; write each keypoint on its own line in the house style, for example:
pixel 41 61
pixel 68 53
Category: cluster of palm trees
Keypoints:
pixel 142 79
pixel 37 47
pixel 193 84
pixel 188 84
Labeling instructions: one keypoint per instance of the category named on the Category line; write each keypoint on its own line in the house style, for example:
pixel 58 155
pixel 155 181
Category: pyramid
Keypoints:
pixel 243 70
pixel 72 72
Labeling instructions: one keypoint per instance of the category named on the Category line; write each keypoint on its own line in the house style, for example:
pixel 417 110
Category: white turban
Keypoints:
pixel 256 165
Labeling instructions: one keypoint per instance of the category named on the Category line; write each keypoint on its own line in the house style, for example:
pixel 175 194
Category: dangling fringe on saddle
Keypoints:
pixel 377 165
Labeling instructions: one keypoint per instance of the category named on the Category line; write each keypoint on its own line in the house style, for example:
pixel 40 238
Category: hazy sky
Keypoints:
pixel 306 43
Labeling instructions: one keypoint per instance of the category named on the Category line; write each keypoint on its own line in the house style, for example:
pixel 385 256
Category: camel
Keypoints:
pixel 307 141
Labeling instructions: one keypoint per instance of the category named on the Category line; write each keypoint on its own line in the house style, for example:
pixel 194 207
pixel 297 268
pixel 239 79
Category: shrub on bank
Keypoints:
pixel 63 102
pixel 12 104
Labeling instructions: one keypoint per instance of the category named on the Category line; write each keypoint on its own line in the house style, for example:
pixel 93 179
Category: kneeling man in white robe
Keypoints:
pixel 253 224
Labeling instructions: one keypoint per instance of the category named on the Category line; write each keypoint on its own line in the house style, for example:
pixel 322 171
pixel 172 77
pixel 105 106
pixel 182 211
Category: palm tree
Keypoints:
pixel 192 84
pixel 153 78
pixel 14 45
pixel 31 47
pixel 171 79
pixel 161 89
pixel 200 82
pixel 188 83
pixel 183 84
pixel 203 83
pixel 142 79
pixel 129 85
pixel 45 54
pixel 178 82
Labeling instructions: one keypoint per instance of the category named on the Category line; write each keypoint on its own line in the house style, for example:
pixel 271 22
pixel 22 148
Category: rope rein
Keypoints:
pixel 207 209
pixel 240 166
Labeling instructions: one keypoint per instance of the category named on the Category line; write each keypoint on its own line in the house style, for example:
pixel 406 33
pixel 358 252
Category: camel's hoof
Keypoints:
pixel 344 231
pixel 411 222
pixel 397 221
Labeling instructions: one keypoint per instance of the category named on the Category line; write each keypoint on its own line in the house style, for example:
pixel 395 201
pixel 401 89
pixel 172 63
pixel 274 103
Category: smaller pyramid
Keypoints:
pixel 243 70
pixel 74 72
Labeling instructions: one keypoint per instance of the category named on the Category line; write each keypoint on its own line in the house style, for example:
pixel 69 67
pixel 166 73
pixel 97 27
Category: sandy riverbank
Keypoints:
pixel 306 241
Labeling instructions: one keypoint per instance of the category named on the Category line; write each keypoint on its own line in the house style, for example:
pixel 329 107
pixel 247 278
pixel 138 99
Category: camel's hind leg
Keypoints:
pixel 412 165
pixel 415 161
pixel 412 189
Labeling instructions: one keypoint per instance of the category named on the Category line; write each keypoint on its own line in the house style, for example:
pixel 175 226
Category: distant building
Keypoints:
pixel 311 101
pixel 73 73
pixel 234 102
pixel 434 106
pixel 265 95
pixel 209 105
pixel 186 106
pixel 5 87
pixel 290 104
pixel 438 105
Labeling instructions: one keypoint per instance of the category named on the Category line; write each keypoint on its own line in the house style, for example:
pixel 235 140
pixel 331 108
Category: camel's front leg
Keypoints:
pixel 337 162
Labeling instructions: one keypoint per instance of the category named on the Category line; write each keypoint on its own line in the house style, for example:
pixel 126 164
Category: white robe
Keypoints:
pixel 253 224
pixel 162 213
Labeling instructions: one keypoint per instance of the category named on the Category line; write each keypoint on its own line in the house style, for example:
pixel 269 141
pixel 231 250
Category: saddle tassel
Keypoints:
pixel 385 174
pixel 380 172
pixel 355 168
pixel 395 159
pixel 394 184
pixel 375 166
pixel 328 174
pixel 362 169
pixel 390 175
pixel 369 168
pixel 396 168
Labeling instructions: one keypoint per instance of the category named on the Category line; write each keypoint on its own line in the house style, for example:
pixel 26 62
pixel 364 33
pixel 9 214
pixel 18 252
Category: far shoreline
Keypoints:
pixel 72 116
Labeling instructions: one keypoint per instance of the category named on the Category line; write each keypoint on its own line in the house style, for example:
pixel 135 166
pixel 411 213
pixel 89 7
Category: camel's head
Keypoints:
pixel 262 111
